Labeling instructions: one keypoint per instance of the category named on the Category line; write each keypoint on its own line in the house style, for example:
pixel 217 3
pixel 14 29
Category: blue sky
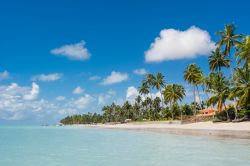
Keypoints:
pixel 58 45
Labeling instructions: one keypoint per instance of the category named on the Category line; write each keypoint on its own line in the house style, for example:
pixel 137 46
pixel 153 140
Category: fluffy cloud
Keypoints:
pixel 4 75
pixel 22 103
pixel 94 78
pixel 75 51
pixel 15 101
pixel 140 71
pixel 104 98
pixel 174 44
pixel 47 77
pixel 83 101
pixel 115 77
pixel 132 93
pixel 78 90
pixel 33 92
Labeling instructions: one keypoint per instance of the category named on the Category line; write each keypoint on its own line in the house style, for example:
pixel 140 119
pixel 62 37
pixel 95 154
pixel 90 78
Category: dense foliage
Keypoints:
pixel 228 93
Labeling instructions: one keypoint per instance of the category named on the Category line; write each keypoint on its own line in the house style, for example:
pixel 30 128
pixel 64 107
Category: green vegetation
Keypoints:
pixel 230 95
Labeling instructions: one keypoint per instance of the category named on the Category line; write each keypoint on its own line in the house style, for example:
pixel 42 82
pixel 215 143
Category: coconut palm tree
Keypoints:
pixel 172 94
pixel 220 90
pixel 127 108
pixel 144 89
pixel 242 87
pixel 217 60
pixel 243 52
pixel 159 83
pixel 228 39
pixel 193 75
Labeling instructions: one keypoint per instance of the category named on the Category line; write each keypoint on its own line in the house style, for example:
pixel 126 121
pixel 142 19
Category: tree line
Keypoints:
pixel 229 94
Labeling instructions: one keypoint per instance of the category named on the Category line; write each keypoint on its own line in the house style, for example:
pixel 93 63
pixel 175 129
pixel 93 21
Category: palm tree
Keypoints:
pixel 228 39
pixel 220 90
pixel 144 89
pixel 242 88
pixel 159 83
pixel 149 81
pixel 243 52
pixel 156 106
pixel 193 75
pixel 172 94
pixel 127 107
pixel 218 60
pixel 138 102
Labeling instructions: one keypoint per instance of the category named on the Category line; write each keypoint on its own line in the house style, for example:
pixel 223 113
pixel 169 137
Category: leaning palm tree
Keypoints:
pixel 193 75
pixel 172 94
pixel 217 60
pixel 159 83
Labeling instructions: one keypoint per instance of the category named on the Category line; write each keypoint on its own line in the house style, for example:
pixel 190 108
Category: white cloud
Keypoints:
pixel 174 44
pixel 104 98
pixel 33 92
pixel 60 98
pixel 83 101
pixel 78 90
pixel 140 71
pixel 76 51
pixel 94 78
pixel 131 94
pixel 15 106
pixel 47 77
pixel 115 77
pixel 4 75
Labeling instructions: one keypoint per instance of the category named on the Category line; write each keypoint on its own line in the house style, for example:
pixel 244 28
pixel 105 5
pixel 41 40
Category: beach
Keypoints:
pixel 234 130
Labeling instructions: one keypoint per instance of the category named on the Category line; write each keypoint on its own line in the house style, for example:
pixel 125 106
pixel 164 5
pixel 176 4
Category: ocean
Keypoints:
pixel 79 146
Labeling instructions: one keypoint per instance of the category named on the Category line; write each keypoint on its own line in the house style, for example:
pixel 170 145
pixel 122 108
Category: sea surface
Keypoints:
pixel 78 146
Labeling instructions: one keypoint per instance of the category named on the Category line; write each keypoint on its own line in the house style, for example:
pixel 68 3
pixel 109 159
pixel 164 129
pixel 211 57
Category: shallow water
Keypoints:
pixel 72 146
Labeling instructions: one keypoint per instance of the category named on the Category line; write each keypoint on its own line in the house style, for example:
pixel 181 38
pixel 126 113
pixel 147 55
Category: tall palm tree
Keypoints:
pixel 228 39
pixel 217 60
pixel 220 90
pixel 172 94
pixel 193 75
pixel 159 83
pixel 149 81
pixel 243 52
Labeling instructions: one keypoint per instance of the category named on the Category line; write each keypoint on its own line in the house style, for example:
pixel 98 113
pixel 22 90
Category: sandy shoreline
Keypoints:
pixel 232 130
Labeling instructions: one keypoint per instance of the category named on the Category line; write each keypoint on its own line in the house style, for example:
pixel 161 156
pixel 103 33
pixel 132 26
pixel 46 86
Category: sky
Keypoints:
pixel 65 57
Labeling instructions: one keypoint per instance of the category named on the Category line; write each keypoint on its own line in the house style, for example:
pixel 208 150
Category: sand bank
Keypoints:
pixel 234 130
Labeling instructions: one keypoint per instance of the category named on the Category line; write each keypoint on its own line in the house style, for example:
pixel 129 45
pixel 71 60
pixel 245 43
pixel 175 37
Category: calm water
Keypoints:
pixel 68 146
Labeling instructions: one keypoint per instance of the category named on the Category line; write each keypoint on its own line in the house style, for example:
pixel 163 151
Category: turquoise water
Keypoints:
pixel 69 146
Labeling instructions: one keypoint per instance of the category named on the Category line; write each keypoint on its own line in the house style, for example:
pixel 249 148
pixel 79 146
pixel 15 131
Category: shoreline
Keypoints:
pixel 231 130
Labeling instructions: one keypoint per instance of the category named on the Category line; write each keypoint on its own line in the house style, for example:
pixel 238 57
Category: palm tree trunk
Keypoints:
pixel 228 117
pixel 162 102
pixel 199 96
pixel 235 107
pixel 172 112
pixel 194 104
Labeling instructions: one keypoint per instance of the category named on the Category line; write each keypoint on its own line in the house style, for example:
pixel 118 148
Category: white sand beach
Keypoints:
pixel 238 130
